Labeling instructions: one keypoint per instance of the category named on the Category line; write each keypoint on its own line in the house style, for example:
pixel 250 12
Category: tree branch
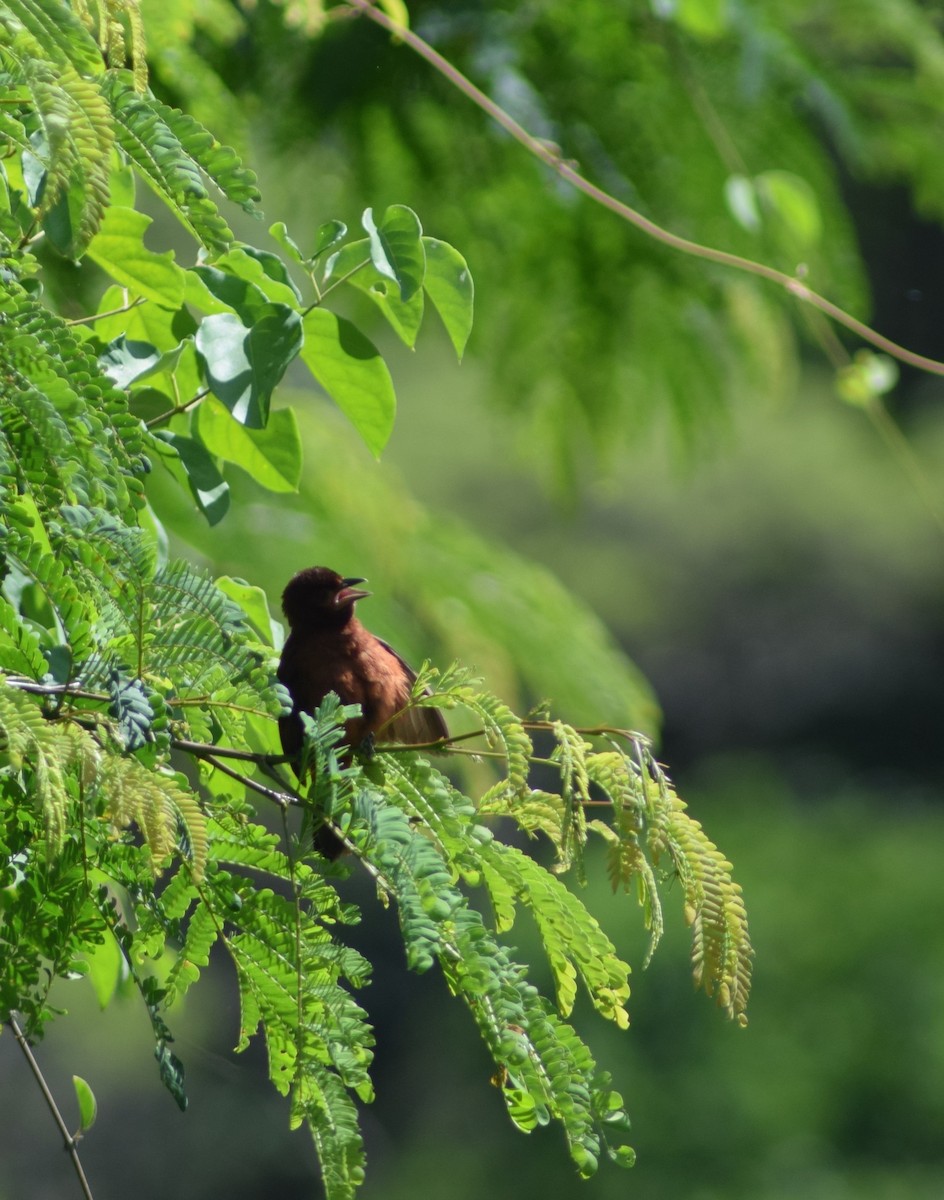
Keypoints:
pixel 551 156
pixel 68 1140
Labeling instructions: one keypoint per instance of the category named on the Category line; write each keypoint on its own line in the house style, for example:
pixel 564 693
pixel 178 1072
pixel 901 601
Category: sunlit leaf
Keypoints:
pixel 105 965
pixel 279 231
pixel 794 202
pixel 119 249
pixel 243 366
pixel 328 235
pixel 252 600
pixel 350 369
pixel 271 456
pixel 207 485
pixel 125 361
pixel 448 284
pixel 88 1107
pixel 404 317
pixel 396 247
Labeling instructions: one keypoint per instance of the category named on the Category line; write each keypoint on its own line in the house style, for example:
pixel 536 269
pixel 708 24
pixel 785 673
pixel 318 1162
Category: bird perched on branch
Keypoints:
pixel 329 650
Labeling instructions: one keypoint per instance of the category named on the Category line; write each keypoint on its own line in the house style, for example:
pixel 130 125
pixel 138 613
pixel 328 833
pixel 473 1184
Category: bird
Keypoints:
pixel 329 650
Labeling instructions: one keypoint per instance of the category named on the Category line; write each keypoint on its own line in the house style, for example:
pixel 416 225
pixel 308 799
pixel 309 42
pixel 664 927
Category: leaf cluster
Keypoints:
pixel 138 697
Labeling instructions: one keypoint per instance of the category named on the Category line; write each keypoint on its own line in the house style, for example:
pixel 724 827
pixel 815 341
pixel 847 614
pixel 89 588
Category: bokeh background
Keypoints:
pixel 669 442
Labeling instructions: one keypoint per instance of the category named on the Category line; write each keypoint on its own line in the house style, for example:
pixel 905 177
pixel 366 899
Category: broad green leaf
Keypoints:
pixel 396 247
pixel 198 295
pixel 119 249
pixel 352 372
pixel 253 602
pixel 274 273
pixel 279 231
pixel 88 1108
pixel 121 184
pixel 272 456
pixel 164 328
pixel 328 235
pixel 243 297
pixel 265 271
pixel 200 473
pixel 448 284
pixel 105 969
pixel 405 317
pixel 795 203
pixel 243 366
pixel 124 361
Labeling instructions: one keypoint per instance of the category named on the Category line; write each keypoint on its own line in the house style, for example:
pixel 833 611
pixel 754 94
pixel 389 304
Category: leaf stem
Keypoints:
pixel 112 312
pixel 178 408
pixel 335 284
pixel 69 1141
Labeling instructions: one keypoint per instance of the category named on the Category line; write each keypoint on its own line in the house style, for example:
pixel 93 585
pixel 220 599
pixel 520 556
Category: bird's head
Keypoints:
pixel 319 596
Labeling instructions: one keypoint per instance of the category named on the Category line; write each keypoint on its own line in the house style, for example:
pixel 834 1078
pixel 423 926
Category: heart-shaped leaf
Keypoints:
pixel 396 247
pixel 448 284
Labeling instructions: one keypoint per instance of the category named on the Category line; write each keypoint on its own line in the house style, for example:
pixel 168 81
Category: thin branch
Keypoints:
pixel 203 748
pixel 551 156
pixel 53 689
pixel 283 799
pixel 112 312
pixel 335 283
pixel 178 408
pixel 68 1140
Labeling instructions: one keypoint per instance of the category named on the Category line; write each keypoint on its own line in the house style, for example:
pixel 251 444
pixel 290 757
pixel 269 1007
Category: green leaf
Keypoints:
pixel 397 12
pixel 274 279
pixel 243 366
pixel 125 360
pixel 88 1108
pixel 272 456
pixel 119 249
pixel 105 969
pixel 352 372
pixel 243 297
pixel 253 602
pixel 704 18
pixel 405 317
pixel 328 235
pixel 279 231
pixel 207 485
pixel 264 273
pixel 795 203
pixel 162 327
pixel 63 222
pixel 740 195
pixel 396 247
pixel 448 284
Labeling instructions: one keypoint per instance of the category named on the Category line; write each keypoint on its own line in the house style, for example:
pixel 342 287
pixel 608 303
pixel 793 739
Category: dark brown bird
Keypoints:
pixel 329 650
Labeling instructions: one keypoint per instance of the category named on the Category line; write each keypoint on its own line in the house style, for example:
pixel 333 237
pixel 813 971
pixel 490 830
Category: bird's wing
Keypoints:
pixel 414 724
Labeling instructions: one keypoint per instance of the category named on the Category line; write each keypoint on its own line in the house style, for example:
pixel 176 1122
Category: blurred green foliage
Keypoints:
pixel 740 129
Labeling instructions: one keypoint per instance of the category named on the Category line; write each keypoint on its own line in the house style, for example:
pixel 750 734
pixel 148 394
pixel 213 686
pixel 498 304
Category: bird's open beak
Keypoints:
pixel 349 593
